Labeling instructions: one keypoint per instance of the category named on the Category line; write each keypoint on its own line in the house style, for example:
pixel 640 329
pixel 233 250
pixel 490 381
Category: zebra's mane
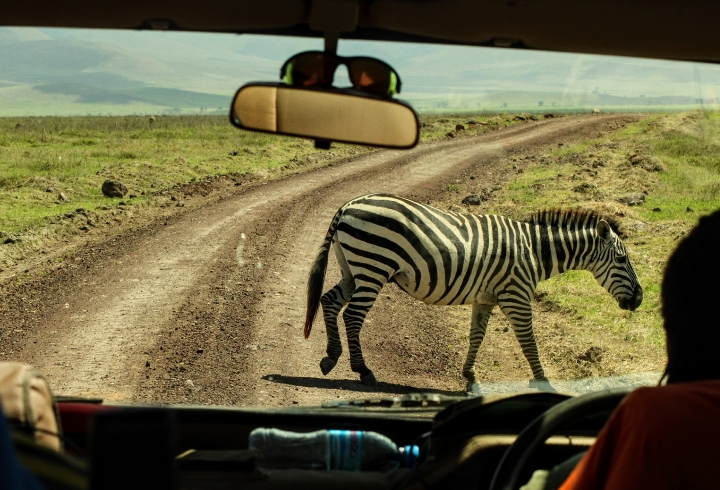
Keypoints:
pixel 571 217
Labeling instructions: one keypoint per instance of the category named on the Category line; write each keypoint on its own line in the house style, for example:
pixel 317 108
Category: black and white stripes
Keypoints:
pixel 448 258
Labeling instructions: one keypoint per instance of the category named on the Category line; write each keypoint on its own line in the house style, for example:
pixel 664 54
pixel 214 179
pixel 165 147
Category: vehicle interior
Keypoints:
pixel 491 441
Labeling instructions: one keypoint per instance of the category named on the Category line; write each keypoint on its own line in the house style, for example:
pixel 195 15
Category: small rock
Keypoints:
pixel 472 177
pixel 132 196
pixel 180 204
pixel 199 351
pixel 593 354
pixel 505 330
pixel 519 118
pixel 451 134
pixel 190 383
pixel 114 189
pixel 656 210
pixel 122 203
pixel 471 121
pixel 598 163
pixel 459 127
pixel 70 214
pixel 151 119
pixel 62 197
pixel 472 200
pixel 561 144
pixel 84 228
pixel 654 165
pixel 7 238
pixel 548 115
pixel 632 199
pixel 585 187
pixel 649 163
pixel 147 364
pixel 173 198
pixel 689 209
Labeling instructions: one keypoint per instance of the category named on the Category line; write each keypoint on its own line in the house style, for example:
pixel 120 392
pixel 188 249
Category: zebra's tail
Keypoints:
pixel 316 278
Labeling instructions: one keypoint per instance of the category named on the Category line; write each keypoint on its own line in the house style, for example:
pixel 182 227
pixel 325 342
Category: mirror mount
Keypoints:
pixel 331 17
pixel 331 42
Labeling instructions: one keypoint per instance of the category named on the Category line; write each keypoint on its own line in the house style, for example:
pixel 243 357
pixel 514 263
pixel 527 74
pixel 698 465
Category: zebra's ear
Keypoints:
pixel 604 231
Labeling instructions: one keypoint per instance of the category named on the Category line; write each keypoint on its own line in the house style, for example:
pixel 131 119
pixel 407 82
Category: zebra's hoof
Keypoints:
pixel 327 365
pixel 473 389
pixel 368 379
pixel 542 385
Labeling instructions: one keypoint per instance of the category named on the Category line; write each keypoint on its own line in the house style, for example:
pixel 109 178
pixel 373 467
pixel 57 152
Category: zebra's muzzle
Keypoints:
pixel 633 302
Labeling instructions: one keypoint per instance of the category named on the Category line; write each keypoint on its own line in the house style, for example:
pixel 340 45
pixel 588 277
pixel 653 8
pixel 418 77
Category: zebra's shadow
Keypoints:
pixel 353 385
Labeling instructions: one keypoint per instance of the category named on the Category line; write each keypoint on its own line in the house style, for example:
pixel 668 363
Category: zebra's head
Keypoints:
pixel 614 271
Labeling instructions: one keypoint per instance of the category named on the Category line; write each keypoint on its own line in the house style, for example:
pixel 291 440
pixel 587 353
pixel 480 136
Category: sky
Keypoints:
pixel 37 63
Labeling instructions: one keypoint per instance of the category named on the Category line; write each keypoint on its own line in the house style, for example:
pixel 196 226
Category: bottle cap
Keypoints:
pixel 409 456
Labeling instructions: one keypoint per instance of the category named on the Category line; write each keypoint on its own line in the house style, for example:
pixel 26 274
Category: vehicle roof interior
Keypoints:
pixel 645 28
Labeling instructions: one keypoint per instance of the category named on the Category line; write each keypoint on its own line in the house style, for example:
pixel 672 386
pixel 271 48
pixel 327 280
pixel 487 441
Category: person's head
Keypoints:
pixel 691 304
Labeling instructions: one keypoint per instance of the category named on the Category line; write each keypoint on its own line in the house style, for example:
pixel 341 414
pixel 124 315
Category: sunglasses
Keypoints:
pixel 317 69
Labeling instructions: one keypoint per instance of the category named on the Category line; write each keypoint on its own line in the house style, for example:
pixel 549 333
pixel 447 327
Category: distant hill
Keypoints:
pixel 168 97
pixel 78 71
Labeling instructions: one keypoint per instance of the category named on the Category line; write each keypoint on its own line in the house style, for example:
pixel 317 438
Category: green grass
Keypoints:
pixel 43 156
pixel 688 147
pixel 40 157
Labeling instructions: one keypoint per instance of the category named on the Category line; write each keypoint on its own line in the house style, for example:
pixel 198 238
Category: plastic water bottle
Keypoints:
pixel 329 450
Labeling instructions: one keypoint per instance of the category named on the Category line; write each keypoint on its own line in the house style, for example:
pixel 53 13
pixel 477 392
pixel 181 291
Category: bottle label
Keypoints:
pixel 346 450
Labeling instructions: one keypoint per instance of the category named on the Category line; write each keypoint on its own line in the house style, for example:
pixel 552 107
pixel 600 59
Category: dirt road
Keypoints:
pixel 208 306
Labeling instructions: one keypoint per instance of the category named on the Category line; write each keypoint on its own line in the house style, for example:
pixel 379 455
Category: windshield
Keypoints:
pixel 152 253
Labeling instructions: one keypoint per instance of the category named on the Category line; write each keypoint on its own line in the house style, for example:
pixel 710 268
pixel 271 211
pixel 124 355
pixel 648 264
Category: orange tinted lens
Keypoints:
pixel 313 69
pixel 369 76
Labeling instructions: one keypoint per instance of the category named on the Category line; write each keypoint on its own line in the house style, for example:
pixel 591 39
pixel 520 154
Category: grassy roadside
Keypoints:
pixel 159 161
pixel 672 161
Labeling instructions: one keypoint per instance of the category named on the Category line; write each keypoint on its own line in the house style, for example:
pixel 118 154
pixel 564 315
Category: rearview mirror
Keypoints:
pixel 344 116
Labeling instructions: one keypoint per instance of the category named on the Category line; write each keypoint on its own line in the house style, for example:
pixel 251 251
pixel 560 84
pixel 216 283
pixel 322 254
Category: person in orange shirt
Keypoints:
pixel 668 437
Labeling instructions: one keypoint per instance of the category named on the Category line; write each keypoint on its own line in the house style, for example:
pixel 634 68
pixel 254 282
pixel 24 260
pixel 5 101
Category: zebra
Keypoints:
pixel 449 258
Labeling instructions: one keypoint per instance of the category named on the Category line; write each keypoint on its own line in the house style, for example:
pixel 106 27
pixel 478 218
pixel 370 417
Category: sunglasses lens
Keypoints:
pixel 309 70
pixel 373 76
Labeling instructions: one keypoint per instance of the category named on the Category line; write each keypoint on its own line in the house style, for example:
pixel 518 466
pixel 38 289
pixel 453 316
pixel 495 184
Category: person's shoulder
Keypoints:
pixel 679 396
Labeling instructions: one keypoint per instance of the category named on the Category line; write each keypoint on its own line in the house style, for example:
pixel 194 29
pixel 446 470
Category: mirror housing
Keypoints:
pixel 341 115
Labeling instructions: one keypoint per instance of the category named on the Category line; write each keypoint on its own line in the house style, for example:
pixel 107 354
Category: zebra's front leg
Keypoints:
pixel 478 326
pixel 354 315
pixel 332 302
pixel 520 316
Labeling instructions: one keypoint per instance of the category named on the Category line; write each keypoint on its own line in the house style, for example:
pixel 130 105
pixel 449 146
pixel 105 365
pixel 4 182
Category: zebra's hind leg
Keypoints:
pixel 480 317
pixel 520 317
pixel 354 315
pixel 332 302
